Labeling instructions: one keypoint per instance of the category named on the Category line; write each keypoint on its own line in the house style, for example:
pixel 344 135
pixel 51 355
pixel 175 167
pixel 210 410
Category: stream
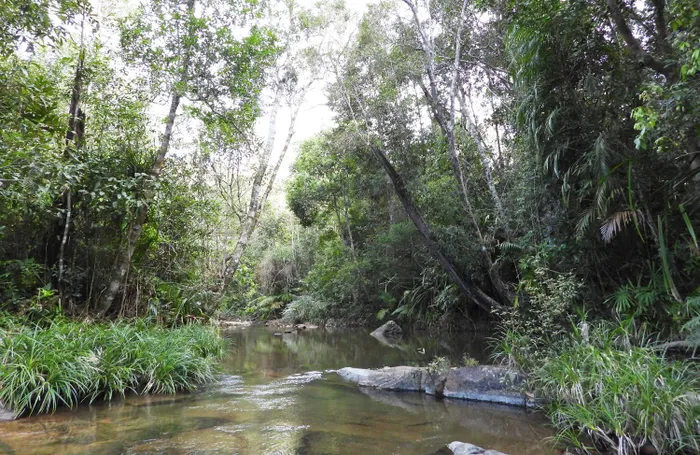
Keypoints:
pixel 274 398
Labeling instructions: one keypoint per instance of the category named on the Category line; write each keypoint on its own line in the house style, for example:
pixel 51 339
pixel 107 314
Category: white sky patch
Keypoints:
pixel 314 116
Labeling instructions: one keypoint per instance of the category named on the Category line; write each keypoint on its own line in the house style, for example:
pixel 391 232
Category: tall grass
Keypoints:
pixel 602 388
pixel 66 363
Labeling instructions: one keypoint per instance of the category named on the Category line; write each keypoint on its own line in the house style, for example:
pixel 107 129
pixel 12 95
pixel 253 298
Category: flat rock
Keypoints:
pixel 463 448
pixel 486 383
pixel 234 323
pixel 388 378
pixel 433 383
pixel 354 374
pixel 481 378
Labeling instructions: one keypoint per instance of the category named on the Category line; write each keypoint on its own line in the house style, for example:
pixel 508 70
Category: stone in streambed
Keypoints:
pixel 484 383
pixel 6 414
pixel 433 383
pixel 463 448
pixel 355 375
pixel 388 378
pixel 388 330
pixel 480 383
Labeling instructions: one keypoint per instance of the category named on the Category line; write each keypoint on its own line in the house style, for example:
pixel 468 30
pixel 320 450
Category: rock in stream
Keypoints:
pixel 388 330
pixel 463 448
pixel 6 414
pixel 486 383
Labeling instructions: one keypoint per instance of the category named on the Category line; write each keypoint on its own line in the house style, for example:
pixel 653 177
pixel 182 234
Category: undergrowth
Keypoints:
pixel 607 385
pixel 65 363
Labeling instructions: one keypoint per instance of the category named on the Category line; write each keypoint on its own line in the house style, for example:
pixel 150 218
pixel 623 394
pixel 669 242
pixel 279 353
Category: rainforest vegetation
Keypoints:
pixel 530 165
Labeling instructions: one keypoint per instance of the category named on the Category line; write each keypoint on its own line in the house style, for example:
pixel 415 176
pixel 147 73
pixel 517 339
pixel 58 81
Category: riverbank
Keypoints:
pixel 272 397
pixel 65 363
pixel 609 389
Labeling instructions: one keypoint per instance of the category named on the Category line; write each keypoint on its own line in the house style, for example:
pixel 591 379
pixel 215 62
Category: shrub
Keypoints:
pixel 307 309
pixel 439 365
pixel 469 361
pixel 66 363
pixel 268 307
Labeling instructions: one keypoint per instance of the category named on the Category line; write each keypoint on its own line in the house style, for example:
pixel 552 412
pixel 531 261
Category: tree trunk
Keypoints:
pixel 58 235
pixel 446 121
pixel 257 196
pixel 465 286
pixel 123 258
pixel 62 251
pixel 482 148
pixel 644 57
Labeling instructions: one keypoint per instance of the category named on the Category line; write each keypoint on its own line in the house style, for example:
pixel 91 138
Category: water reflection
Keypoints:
pixel 275 399
pixel 260 354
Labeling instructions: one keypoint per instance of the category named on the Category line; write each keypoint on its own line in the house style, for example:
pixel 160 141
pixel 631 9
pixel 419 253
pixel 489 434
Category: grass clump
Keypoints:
pixel 439 365
pixel 65 363
pixel 625 398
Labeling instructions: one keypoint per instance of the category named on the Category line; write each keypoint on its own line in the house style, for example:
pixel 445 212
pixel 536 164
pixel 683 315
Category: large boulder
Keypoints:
pixel 355 375
pixel 484 383
pixel 388 330
pixel 463 448
pixel 388 378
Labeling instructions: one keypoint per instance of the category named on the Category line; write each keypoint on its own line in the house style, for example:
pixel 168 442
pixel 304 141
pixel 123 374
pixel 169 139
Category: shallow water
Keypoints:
pixel 277 397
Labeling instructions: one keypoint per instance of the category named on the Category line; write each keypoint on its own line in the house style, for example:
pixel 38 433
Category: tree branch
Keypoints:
pixel 633 44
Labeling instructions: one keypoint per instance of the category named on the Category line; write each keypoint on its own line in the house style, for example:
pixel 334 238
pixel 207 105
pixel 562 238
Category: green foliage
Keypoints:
pixel 439 365
pixel 307 308
pixel 546 298
pixel 241 291
pixel 268 307
pixel 31 22
pixel 620 396
pixel 64 363
pixel 468 361
pixel 431 298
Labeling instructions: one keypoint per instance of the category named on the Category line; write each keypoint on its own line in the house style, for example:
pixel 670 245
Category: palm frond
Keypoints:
pixel 617 222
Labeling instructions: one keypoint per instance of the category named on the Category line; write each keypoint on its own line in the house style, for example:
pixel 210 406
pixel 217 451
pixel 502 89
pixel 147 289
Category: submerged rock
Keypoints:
pixel 234 324
pixel 480 383
pixel 335 323
pixel 388 330
pixel 463 448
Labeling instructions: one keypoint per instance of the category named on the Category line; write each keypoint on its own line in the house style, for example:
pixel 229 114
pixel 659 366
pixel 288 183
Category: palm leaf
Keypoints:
pixel 617 222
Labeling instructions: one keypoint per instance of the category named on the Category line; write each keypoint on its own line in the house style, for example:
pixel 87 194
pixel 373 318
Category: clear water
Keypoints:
pixel 274 398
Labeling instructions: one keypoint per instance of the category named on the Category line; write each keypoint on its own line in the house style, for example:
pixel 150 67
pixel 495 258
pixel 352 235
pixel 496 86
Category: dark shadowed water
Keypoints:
pixel 276 397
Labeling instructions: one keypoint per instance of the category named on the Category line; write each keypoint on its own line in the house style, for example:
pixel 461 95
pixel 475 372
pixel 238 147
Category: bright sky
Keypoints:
pixel 314 115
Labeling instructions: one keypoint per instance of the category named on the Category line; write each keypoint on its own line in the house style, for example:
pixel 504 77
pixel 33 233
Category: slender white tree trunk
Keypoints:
pixel 446 121
pixel 483 149
pixel 260 191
